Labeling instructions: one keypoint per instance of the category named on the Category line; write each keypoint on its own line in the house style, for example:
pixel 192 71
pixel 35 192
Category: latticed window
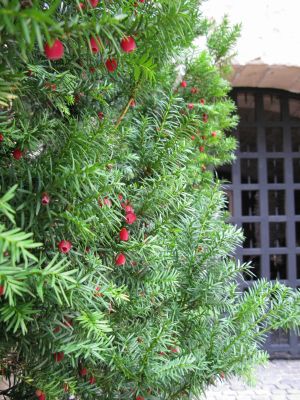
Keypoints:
pixel 264 192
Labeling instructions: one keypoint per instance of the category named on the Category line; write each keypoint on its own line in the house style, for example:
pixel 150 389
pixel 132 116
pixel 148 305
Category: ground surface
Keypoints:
pixel 280 380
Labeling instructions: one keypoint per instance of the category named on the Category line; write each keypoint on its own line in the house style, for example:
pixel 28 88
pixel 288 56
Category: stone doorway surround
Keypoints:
pixel 256 74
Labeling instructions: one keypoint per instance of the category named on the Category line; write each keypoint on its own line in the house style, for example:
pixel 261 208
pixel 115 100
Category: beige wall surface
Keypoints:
pixel 269 47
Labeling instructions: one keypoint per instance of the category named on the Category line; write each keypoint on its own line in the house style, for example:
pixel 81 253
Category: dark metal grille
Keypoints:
pixel 264 193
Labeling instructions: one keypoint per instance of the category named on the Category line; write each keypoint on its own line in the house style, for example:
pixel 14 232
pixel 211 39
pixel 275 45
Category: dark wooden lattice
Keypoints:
pixel 264 193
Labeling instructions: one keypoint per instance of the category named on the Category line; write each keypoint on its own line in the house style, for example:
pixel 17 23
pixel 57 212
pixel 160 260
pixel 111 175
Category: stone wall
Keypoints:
pixel 268 52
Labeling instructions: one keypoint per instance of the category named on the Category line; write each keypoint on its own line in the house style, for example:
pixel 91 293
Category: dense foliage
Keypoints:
pixel 116 273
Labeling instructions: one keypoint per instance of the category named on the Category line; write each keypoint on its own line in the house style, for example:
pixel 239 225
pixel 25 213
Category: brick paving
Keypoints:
pixel 279 380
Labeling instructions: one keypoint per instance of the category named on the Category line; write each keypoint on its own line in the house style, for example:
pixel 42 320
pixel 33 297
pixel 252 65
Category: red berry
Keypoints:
pixel 64 246
pixel 192 137
pixel 98 294
pixel 201 149
pixel 2 290
pixel 100 115
pixel 194 90
pixel 81 6
pixel 17 154
pixel 93 3
pixel 83 372
pixel 140 398
pixel 106 201
pixel 183 84
pixel 175 350
pixel 130 218
pixel 129 209
pixel 38 392
pixel 132 103
pixel 120 197
pixel 124 234
pixel 120 259
pixel 95 43
pixel 92 70
pixel 45 199
pixel 205 117
pixel 128 44
pixel 202 101
pixel 190 106
pixel 1 137
pixel 142 1
pixel 92 380
pixel 42 397
pixel 68 323
pixel 111 64
pixel 214 134
pixel 54 52
pixel 66 387
pixel 57 329
pixel 58 356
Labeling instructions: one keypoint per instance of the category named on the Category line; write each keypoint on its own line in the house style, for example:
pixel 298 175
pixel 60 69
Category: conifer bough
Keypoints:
pixel 96 138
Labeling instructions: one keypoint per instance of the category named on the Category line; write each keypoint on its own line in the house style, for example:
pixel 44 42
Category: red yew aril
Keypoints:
pixel 17 154
pixel 120 259
pixel 64 246
pixel 129 209
pixel 57 329
pixel 130 218
pixel 111 64
pixel 93 3
pixel 124 234
pixel 54 52
pixel 58 356
pixel 128 44
pixel 95 44
pixel 45 199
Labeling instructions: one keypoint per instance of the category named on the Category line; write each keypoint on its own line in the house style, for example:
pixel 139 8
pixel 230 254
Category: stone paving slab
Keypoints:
pixel 279 380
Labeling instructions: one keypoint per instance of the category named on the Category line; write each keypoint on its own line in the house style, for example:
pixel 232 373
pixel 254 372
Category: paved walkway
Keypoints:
pixel 280 380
